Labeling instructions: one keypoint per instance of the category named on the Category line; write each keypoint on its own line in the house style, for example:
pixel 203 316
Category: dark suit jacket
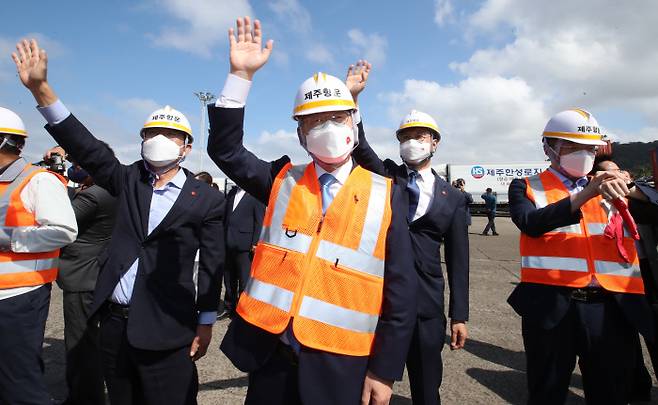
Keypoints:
pixel 95 212
pixel 243 224
pixel 163 308
pixel 445 222
pixel 249 347
pixel 546 305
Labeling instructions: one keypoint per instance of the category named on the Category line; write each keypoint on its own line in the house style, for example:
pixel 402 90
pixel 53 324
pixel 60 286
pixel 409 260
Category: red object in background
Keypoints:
pixel 654 162
pixel 622 207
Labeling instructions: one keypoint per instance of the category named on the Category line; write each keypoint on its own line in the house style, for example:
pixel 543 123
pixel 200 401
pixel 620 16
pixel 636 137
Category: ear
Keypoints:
pixel 301 137
pixel 435 144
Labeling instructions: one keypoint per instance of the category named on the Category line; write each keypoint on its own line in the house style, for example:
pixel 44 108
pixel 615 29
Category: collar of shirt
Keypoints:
pixel 11 171
pixel 341 174
pixel 177 181
pixel 577 185
pixel 425 174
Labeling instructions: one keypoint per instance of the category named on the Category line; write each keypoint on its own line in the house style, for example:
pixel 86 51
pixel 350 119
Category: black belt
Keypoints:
pixel 589 294
pixel 118 310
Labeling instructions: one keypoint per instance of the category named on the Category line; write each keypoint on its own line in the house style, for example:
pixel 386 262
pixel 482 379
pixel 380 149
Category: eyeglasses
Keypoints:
pixel 312 121
pixel 566 149
pixel 421 135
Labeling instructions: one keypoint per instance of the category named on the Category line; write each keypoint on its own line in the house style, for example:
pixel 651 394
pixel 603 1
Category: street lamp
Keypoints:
pixel 204 97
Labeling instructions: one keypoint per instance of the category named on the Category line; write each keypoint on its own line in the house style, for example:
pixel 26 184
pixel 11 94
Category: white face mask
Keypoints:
pixel 414 151
pixel 577 164
pixel 161 151
pixel 330 142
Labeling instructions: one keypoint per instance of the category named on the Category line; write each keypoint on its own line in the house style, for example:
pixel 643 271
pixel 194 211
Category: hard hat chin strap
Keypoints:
pixel 7 141
pixel 159 171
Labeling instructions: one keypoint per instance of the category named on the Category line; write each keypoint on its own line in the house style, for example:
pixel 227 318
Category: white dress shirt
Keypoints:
pixel 236 200
pixel 425 181
pixel 46 197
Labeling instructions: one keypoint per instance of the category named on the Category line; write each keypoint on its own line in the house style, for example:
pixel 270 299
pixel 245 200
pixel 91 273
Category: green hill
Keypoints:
pixel 634 157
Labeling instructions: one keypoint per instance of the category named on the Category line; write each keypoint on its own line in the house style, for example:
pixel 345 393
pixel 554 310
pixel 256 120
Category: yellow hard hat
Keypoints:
pixel 419 119
pixel 321 93
pixel 575 125
pixel 11 123
pixel 168 117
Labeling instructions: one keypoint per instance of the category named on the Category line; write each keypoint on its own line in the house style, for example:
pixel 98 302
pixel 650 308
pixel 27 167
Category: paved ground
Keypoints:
pixel 489 371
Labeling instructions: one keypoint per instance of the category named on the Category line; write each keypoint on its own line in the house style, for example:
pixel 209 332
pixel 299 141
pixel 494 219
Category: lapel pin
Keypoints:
pixel 193 193
pixel 444 192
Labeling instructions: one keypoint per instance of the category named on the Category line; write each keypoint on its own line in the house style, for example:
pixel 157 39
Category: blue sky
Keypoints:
pixel 491 72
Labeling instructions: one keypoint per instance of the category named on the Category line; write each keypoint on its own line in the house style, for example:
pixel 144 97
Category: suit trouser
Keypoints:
pixel 22 326
pixel 315 378
pixel 144 377
pixel 236 275
pixel 84 375
pixel 491 216
pixel 600 335
pixel 424 363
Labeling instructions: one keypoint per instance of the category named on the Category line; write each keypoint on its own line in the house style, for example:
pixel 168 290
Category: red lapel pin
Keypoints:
pixel 193 193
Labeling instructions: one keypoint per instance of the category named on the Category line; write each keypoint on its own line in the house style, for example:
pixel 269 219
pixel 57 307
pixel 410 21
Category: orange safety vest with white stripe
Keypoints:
pixel 324 272
pixel 23 269
pixel 572 255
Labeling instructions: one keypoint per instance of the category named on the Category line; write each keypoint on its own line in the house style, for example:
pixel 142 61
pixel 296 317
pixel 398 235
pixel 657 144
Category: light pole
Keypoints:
pixel 204 97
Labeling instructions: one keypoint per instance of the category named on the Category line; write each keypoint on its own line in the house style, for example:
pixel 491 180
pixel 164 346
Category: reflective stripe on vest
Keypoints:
pixel 582 252
pixel 23 269
pixel 340 317
pixel 270 293
pixel 328 278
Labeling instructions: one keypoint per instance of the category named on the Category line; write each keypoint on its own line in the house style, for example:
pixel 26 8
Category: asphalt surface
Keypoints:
pixel 490 370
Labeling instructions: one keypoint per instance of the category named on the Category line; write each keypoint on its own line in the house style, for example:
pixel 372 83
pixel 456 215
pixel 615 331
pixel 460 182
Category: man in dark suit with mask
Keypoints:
pixel 155 320
pixel 436 214
pixel 243 219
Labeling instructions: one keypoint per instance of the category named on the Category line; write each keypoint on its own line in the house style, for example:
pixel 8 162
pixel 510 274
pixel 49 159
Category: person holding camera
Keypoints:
pixel 460 184
pixel 37 220
pixel 490 201
pixel 95 212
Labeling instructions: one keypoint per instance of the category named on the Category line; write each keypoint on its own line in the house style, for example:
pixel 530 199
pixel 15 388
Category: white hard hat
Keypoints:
pixel 11 123
pixel 575 125
pixel 420 120
pixel 321 93
pixel 167 117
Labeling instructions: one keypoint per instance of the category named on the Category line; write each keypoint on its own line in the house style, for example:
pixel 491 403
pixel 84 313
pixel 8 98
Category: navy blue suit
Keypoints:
pixel 445 223
pixel 322 377
pixel 242 226
pixel 164 306
pixel 554 325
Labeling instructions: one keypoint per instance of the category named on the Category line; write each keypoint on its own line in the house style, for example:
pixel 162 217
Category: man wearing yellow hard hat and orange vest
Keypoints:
pixel 327 315
pixel 581 292
pixel 37 219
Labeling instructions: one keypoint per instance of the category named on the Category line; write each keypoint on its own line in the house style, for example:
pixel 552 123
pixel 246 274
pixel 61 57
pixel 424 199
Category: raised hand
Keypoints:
pixel 32 67
pixel 31 63
pixel 357 77
pixel 247 52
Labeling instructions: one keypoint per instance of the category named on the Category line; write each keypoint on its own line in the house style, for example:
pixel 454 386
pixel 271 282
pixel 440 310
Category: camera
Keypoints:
pixel 55 163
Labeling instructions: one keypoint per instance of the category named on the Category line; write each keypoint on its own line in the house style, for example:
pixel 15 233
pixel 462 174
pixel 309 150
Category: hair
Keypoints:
pixel 488 190
pixel 204 176
pixel 600 159
pixel 15 144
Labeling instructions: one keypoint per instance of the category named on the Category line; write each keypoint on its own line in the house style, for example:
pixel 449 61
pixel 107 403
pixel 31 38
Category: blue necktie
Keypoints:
pixel 326 180
pixel 414 195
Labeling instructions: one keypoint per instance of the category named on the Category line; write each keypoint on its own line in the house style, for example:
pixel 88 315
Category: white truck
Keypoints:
pixel 497 176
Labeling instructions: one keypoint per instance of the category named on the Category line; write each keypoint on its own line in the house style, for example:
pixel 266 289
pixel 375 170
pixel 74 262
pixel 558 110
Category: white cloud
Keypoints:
pixel 139 107
pixel 319 53
pixel 442 11
pixel 272 145
pixel 590 53
pixel 371 47
pixel 293 13
pixel 481 118
pixel 205 24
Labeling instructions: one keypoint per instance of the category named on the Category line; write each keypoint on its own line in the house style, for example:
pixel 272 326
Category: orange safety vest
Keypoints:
pixel 325 272
pixel 572 255
pixel 23 269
